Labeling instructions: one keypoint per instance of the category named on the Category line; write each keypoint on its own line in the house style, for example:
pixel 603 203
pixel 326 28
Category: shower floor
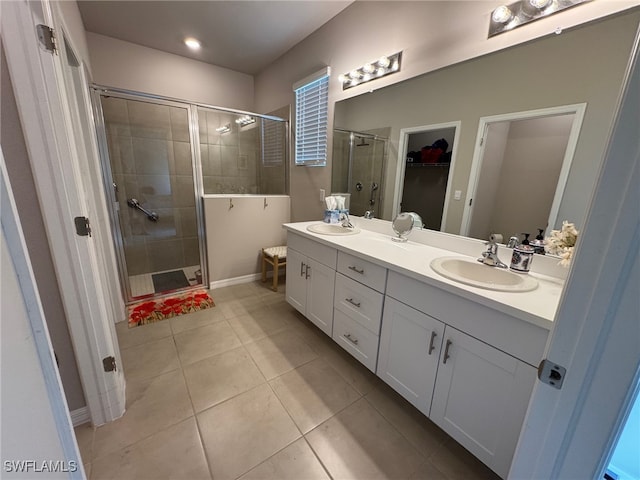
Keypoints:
pixel 142 285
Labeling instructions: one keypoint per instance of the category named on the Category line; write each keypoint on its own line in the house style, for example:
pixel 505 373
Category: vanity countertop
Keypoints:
pixel 412 259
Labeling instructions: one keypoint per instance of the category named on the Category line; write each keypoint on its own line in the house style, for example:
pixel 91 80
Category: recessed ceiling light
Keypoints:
pixel 192 43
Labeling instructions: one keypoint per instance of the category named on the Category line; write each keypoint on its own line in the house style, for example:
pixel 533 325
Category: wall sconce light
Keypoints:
pixel 508 17
pixel 245 120
pixel 224 128
pixel 370 71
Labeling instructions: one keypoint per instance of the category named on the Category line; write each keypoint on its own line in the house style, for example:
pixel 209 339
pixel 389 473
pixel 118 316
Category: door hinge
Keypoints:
pixel 481 141
pixel 47 38
pixel 551 373
pixel 109 364
pixel 83 227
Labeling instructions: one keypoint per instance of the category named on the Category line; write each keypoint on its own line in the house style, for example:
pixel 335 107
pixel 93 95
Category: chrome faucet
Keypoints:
pixel 344 219
pixel 513 242
pixel 490 256
pixel 369 214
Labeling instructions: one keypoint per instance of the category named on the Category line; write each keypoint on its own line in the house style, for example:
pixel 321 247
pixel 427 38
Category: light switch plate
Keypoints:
pixel 457 195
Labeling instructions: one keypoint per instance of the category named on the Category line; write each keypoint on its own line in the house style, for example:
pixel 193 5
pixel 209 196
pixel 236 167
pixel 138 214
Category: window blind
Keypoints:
pixel 273 142
pixel 312 101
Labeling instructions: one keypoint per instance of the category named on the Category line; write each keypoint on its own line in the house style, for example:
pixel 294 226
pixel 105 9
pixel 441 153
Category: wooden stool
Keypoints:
pixel 276 257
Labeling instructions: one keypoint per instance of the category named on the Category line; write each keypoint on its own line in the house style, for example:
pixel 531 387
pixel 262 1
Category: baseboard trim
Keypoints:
pixel 80 416
pixel 228 282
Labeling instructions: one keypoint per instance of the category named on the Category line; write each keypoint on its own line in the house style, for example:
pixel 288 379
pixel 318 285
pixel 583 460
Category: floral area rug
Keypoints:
pixel 151 311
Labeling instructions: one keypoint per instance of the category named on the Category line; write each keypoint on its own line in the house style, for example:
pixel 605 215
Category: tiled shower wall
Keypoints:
pixel 232 162
pixel 150 154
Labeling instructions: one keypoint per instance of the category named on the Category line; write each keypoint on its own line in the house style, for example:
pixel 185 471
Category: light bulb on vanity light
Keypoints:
pixel 367 68
pixel 384 62
pixel 540 4
pixel 502 14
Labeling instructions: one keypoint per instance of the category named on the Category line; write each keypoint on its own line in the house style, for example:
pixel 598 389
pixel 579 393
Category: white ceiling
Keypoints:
pixel 242 35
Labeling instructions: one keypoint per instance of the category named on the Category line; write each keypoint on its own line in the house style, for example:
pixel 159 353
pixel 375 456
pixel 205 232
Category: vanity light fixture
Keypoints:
pixel 245 120
pixel 385 65
pixel 192 43
pixel 508 17
pixel 224 128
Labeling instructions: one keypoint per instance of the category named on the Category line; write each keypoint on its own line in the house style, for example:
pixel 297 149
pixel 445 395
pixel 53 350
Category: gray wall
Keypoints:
pixel 116 63
pixel 21 178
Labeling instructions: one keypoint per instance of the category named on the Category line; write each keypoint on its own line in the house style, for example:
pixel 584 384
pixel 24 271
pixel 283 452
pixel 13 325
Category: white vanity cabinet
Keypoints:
pixel 480 398
pixel 475 392
pixel 358 301
pixel 410 345
pixel 311 279
pixel 464 361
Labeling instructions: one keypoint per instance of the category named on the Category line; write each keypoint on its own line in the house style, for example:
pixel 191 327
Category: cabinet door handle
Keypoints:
pixel 446 352
pixel 352 340
pixel 302 265
pixel 356 269
pixel 350 300
pixel 432 347
pixel 306 272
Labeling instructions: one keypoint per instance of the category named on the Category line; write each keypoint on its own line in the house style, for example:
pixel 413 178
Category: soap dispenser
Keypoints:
pixel 538 243
pixel 526 239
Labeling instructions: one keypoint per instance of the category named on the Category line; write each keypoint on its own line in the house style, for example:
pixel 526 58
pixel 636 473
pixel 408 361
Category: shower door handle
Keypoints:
pixel 133 203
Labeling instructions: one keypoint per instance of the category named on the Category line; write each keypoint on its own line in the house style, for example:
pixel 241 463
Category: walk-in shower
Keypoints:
pixel 358 169
pixel 159 157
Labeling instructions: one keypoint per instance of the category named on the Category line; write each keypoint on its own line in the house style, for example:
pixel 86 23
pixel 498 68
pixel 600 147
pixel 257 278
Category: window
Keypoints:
pixel 312 101
pixel 273 142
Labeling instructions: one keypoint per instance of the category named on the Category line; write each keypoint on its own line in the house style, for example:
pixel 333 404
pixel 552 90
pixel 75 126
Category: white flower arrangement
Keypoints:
pixel 562 242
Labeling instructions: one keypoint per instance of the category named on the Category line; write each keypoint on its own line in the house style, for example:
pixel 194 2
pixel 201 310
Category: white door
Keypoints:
pixel 296 289
pixel 43 105
pixel 569 432
pixel 320 285
pixel 481 397
pixel 410 344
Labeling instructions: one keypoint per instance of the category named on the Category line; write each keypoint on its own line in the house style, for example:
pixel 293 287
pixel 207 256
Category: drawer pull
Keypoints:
pixel 446 352
pixel 352 340
pixel 356 269
pixel 350 300
pixel 432 347
pixel 306 271
pixel 302 265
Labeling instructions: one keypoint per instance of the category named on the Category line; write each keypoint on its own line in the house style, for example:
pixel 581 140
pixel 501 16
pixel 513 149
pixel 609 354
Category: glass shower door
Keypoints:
pixel 151 166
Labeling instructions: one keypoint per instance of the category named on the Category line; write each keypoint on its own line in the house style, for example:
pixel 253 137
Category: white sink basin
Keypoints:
pixel 471 272
pixel 332 229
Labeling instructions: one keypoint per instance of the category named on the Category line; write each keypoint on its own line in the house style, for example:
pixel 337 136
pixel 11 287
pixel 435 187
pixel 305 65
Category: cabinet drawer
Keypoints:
pixel 317 251
pixel 362 304
pixel 368 273
pixel 355 339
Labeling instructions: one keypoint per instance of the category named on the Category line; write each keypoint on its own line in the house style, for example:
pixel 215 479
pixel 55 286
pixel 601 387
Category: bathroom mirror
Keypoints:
pixel 543 74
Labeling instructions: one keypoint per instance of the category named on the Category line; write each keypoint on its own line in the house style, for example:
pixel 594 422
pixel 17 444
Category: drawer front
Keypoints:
pixel 362 304
pixel 319 252
pixel 355 339
pixel 367 273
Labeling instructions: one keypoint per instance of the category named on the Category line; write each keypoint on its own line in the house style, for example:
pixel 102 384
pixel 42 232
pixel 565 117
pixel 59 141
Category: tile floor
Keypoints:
pixel 251 390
